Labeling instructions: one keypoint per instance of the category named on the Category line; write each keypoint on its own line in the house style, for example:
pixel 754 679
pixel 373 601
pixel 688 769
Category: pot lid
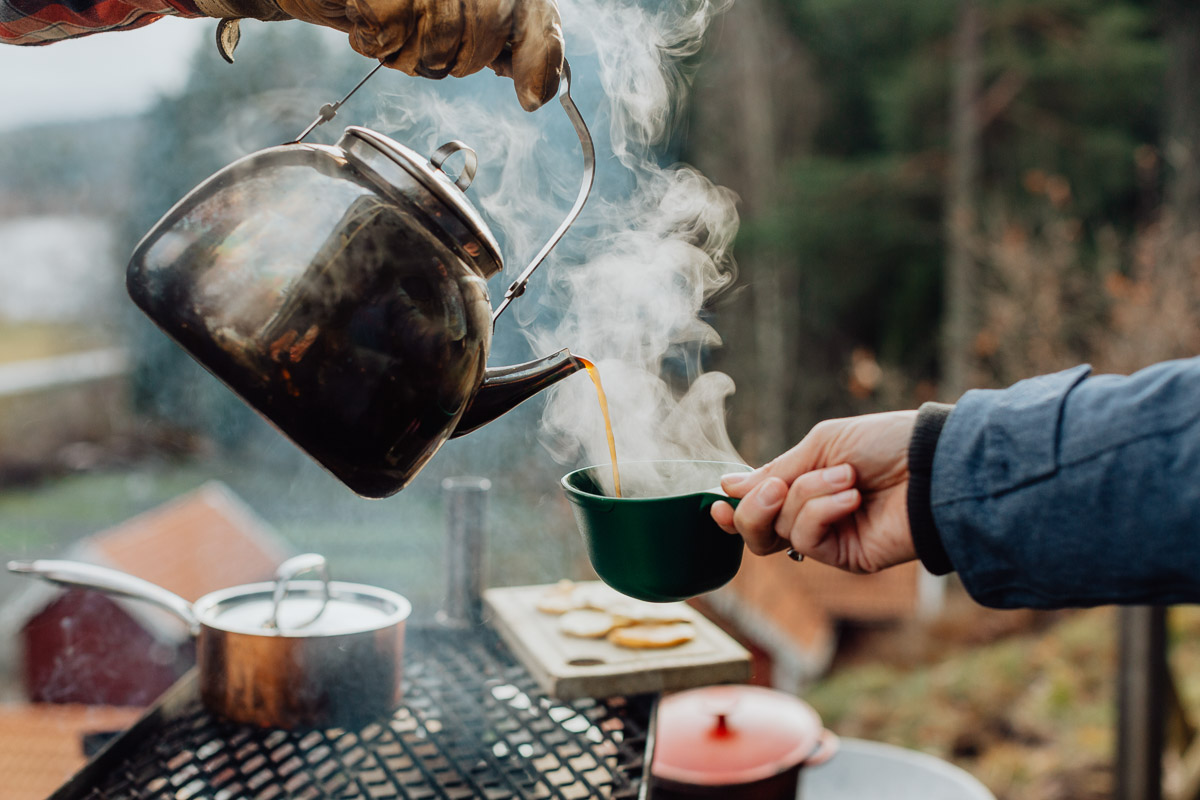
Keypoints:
pixel 381 155
pixel 351 608
pixel 726 735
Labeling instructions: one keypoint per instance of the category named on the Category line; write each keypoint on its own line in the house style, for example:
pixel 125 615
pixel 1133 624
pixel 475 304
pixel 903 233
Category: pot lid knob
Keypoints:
pixel 286 573
pixel 720 702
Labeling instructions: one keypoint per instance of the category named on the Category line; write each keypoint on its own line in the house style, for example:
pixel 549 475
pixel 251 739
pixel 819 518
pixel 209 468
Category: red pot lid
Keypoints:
pixel 724 735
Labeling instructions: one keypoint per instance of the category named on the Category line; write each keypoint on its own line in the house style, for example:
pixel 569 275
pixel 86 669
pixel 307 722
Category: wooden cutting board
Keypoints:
pixel 567 667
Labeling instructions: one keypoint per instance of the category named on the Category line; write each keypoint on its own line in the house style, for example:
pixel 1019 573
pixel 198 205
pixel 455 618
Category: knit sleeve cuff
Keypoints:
pixel 926 539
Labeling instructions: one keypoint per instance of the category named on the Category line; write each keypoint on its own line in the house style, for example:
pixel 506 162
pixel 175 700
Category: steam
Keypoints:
pixel 627 286
pixel 634 306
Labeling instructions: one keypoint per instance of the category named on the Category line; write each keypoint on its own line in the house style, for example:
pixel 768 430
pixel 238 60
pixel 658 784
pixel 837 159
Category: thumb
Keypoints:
pixel 737 484
pixel 537 52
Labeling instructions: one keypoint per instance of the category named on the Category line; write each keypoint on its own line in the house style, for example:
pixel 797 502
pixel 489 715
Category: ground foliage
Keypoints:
pixel 1025 701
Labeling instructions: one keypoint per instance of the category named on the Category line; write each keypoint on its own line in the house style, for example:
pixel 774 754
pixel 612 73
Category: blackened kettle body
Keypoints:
pixel 341 292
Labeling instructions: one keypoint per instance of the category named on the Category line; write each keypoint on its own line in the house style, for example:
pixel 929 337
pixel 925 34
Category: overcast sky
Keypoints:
pixel 110 73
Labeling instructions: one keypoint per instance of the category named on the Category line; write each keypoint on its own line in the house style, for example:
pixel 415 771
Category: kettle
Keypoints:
pixel 341 291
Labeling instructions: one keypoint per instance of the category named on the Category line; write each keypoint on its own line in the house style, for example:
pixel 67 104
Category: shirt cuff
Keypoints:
pixel 926 539
pixel 240 9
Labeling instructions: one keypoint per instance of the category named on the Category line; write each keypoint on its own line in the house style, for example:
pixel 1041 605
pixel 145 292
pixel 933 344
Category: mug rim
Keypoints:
pixel 715 490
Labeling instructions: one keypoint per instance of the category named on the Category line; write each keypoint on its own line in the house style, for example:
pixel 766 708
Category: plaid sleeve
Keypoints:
pixel 45 21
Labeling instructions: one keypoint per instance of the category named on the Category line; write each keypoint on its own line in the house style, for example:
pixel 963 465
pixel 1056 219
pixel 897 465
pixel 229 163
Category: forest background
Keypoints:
pixel 956 194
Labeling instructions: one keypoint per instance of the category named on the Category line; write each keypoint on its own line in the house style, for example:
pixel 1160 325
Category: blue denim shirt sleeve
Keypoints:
pixel 1075 490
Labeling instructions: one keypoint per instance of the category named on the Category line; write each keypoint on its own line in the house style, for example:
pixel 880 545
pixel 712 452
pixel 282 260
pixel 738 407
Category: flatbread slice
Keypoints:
pixel 587 623
pixel 638 612
pixel 653 636
pixel 560 598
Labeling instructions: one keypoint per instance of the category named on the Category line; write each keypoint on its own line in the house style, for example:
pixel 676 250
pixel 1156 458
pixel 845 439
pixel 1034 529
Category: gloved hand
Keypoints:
pixel 435 38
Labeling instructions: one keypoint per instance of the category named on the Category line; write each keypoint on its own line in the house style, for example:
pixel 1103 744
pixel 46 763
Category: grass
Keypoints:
pixel 20 341
pixel 1030 715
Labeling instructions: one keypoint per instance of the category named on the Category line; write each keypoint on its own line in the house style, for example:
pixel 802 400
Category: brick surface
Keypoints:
pixel 41 745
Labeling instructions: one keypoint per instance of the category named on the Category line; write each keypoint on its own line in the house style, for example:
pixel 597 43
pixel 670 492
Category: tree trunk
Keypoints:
pixel 755 113
pixel 756 108
pixel 1181 145
pixel 962 201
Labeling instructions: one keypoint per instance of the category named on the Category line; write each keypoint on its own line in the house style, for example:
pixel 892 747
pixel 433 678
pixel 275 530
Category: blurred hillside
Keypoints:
pixel 84 168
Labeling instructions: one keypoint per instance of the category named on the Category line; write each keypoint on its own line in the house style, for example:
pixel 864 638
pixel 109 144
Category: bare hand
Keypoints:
pixel 839 496
pixel 436 38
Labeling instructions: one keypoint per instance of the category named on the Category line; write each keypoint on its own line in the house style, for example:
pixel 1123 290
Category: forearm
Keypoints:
pixel 1067 490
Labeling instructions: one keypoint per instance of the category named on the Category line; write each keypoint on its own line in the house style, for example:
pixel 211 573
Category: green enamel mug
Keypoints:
pixel 656 542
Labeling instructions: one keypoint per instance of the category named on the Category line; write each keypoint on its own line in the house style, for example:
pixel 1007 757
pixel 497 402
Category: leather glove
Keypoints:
pixel 436 38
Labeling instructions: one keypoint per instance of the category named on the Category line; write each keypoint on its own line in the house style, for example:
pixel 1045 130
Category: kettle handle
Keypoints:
pixel 517 288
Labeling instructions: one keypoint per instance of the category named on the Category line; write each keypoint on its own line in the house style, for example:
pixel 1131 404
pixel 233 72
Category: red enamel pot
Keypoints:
pixel 735 742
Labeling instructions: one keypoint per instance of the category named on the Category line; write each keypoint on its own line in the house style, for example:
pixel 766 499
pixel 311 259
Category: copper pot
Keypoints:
pixel 734 742
pixel 282 654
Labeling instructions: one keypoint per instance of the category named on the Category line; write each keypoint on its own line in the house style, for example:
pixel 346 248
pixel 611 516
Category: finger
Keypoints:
pixel 809 486
pixel 809 454
pixel 537 52
pixel 738 483
pixel 754 517
pixel 787 466
pixel 487 24
pixel 810 532
pixel 503 63
pixel 439 34
pixel 380 28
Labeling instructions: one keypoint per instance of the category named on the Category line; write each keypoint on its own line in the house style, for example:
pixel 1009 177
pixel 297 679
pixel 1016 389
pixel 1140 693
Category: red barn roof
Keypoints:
pixel 200 542
pixel 82 647
pixel 204 540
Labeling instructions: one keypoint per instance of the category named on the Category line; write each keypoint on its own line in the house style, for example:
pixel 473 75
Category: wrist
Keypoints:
pixel 922 445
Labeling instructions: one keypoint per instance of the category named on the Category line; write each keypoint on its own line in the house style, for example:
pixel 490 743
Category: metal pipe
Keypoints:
pixel 1141 702
pixel 466 506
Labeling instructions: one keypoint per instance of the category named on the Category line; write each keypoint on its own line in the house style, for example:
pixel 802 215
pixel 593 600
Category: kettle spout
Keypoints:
pixel 505 388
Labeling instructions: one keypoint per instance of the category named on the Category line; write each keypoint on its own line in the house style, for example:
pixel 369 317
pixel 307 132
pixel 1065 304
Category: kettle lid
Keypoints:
pixel 397 166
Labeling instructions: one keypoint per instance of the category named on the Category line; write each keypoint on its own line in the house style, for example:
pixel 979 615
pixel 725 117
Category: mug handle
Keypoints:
pixel 710 497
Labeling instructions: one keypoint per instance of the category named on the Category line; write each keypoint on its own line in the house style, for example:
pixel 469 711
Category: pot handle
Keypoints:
pixel 517 288
pixel 286 573
pixel 826 748
pixel 110 581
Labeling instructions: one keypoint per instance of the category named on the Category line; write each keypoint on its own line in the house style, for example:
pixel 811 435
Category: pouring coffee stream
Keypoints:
pixel 341 291
pixel 594 373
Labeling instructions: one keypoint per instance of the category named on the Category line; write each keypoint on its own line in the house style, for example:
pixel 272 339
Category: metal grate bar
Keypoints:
pixel 474 725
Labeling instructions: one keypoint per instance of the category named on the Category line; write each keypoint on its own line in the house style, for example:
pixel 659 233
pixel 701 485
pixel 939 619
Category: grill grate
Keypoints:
pixel 474 725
